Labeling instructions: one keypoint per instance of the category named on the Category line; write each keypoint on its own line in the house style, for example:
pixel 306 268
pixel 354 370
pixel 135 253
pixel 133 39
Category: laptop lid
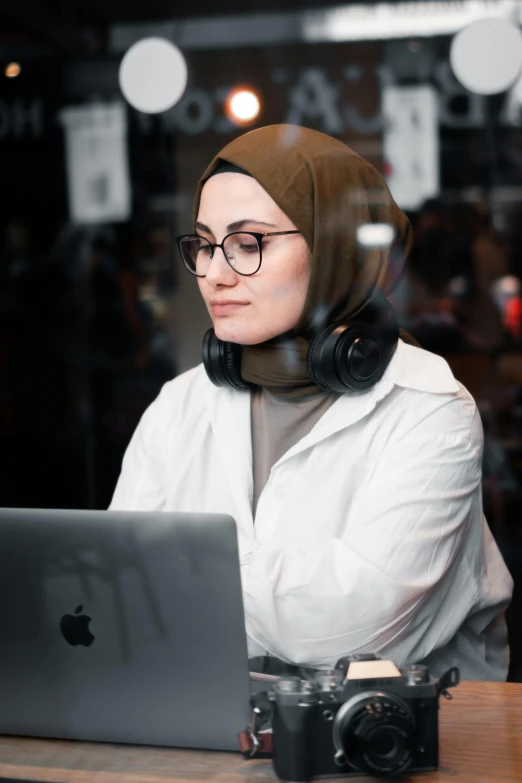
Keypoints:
pixel 122 627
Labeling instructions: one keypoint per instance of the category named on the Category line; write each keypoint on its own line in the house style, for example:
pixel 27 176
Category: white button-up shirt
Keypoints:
pixel 369 535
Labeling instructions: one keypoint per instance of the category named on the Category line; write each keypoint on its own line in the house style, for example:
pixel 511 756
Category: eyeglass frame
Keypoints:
pixel 256 234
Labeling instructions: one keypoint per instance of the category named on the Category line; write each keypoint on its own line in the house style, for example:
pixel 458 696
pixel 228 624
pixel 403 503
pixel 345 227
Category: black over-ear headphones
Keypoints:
pixel 344 357
pixel 222 362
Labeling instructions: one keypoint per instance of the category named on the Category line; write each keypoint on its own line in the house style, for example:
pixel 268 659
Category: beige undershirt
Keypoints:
pixel 277 425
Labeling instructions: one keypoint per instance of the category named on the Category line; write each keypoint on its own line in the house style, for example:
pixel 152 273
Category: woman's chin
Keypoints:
pixel 241 336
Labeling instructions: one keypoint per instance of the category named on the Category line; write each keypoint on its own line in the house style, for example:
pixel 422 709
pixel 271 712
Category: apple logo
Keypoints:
pixel 75 628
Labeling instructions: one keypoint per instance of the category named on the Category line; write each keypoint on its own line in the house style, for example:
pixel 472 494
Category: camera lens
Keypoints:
pixel 375 732
pixel 386 748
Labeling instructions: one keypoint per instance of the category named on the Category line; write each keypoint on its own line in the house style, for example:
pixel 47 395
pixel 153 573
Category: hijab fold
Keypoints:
pixel 328 192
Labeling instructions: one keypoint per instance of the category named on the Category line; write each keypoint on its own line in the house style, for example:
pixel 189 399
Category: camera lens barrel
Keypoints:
pixel 374 732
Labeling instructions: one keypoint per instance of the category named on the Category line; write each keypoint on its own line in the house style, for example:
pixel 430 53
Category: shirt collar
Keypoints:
pixel 414 368
pixel 410 367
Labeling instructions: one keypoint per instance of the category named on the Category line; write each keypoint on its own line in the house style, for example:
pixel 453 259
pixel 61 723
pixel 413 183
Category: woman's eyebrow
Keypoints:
pixel 202 227
pixel 236 225
pixel 239 224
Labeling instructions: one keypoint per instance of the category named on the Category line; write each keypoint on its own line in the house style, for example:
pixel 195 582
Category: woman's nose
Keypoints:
pixel 219 271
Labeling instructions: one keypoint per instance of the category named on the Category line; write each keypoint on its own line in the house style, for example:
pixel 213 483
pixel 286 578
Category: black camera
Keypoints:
pixel 365 716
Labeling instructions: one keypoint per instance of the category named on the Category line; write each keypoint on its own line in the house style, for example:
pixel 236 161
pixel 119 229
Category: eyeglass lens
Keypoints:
pixel 241 251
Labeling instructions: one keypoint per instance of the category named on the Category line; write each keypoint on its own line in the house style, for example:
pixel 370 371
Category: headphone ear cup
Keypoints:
pixel 353 356
pixel 222 362
pixel 319 363
pixel 343 358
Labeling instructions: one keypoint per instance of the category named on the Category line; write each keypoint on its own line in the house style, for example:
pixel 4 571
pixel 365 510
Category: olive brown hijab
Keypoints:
pixel 328 192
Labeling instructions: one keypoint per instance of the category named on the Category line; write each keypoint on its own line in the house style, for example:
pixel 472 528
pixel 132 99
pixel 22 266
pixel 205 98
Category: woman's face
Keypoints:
pixel 251 310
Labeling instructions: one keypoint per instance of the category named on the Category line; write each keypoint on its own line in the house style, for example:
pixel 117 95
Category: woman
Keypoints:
pixel 359 508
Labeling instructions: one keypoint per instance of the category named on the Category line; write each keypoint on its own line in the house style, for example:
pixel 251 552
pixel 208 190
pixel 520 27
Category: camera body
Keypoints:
pixel 365 716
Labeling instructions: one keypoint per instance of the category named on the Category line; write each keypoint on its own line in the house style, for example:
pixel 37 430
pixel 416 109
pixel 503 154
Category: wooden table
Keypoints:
pixel 480 742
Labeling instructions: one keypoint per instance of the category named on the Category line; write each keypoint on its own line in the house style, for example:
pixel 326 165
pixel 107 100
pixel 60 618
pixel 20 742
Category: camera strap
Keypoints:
pixel 256 740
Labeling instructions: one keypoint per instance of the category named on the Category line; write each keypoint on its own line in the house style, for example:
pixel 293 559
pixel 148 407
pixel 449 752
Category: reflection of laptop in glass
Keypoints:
pixel 163 660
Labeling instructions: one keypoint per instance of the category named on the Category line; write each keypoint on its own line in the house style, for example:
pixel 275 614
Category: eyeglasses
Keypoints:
pixel 243 251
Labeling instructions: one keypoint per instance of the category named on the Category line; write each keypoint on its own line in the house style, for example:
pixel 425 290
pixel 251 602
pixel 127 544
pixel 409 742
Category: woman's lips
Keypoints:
pixel 226 308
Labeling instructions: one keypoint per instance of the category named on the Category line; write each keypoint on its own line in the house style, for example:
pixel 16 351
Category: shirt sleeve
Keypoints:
pixel 140 486
pixel 382 586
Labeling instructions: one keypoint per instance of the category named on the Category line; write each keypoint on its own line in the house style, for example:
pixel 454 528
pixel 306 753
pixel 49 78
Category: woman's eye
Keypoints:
pixel 249 248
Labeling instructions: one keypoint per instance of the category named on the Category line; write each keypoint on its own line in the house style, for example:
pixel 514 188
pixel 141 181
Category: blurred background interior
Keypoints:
pixel 109 112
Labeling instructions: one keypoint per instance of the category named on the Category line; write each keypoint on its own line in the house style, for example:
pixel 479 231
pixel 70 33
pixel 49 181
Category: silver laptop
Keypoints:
pixel 122 627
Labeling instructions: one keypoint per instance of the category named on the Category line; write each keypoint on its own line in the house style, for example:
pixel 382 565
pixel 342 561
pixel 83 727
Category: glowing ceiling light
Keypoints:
pixel 153 75
pixel 12 70
pixel 486 56
pixel 375 234
pixel 409 18
pixel 243 105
